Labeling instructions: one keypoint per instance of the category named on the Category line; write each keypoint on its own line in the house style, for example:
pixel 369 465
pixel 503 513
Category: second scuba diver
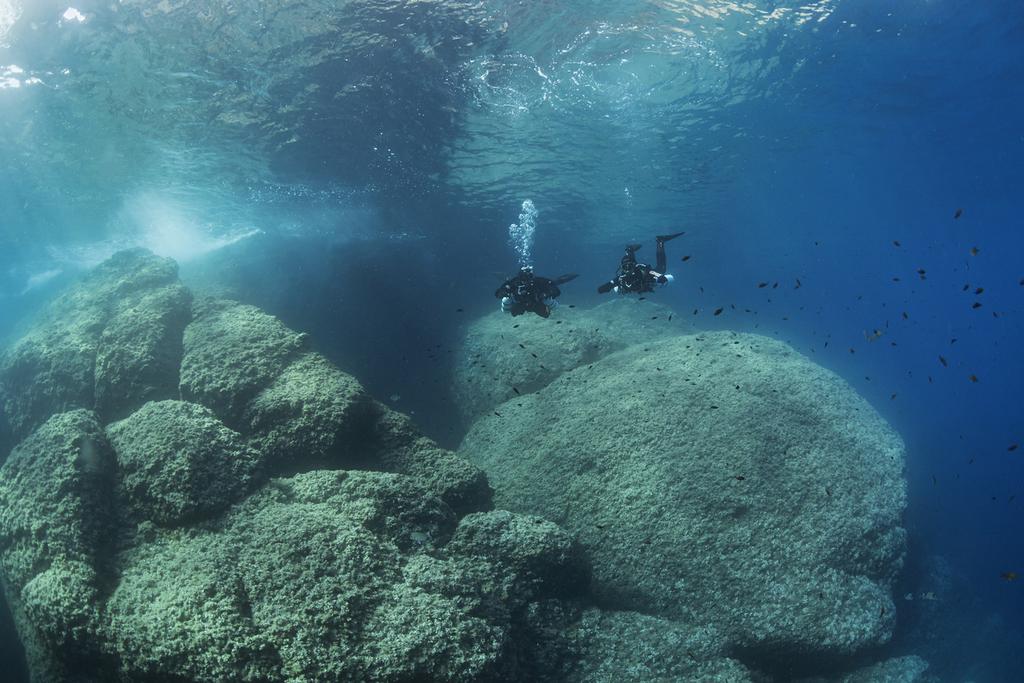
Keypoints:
pixel 527 292
pixel 637 278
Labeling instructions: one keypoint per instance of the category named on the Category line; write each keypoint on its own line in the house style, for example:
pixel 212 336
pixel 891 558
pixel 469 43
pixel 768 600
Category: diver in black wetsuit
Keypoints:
pixel 637 278
pixel 527 292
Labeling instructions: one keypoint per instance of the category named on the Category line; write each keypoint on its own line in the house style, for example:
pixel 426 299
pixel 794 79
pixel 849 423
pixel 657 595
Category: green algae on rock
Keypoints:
pixel 178 463
pixel 719 479
pixel 232 352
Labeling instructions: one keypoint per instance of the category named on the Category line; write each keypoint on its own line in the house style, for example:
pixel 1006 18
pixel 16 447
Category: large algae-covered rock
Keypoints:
pixel 178 463
pixel 593 646
pixel 111 343
pixel 56 523
pixel 719 479
pixel 501 355
pixel 232 352
pixel 328 576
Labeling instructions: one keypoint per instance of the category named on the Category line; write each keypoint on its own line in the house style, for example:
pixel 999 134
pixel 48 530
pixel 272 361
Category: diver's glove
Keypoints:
pixel 506 304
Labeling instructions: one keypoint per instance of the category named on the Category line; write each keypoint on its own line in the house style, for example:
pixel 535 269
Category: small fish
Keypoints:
pixel 959 212
pixel 670 318
pixel 906 316
pixel 1008 576
pixel 775 285
pixel 762 285
pixel 533 354
pixel 881 612
pixel 1013 447
pixel 654 317
pixel 943 361
pixel 976 304
pixel 828 491
pixel 685 258
pixel 642 298
pixel 521 345
pixel 979 290
pixel 895 243
pixel 497 413
pixel 458 310
pixel 515 326
pixel 515 390
pixel 975 251
pixel 1021 283
pixel 965 287
pixel 718 311
pixel 798 284
pixel 952 341
pixel 851 350
pixel 895 279
pixel 739 477
pixel 893 397
pixel 973 378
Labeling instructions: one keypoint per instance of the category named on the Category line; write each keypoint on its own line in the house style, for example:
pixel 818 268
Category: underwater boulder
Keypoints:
pixel 394 444
pixel 307 417
pixel 322 576
pixel 56 528
pixel 232 351
pixel 140 351
pixel 110 343
pixel 501 355
pixel 178 463
pixel 718 479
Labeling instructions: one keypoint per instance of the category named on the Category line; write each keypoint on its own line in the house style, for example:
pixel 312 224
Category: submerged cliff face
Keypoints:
pixel 714 478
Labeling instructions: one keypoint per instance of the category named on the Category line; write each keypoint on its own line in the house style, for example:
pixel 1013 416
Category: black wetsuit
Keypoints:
pixel 637 278
pixel 529 292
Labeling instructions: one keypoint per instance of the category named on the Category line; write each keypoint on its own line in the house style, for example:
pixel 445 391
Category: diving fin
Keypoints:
pixel 568 277
pixel 605 287
pixel 666 238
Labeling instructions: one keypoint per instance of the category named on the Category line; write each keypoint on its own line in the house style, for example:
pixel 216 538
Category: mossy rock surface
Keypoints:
pixel 177 463
pixel 719 479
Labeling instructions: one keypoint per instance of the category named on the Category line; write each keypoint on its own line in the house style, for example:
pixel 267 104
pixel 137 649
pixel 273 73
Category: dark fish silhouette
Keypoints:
pixel 798 285
pixel 973 378
pixel 943 361
pixel 975 251
pixel 966 287
pixel 979 290
pixel 1008 576
pixel 718 311
pixel 762 285
pixel 895 243
pixel 1013 447
pixel 686 258
pixel 905 316
pixel 959 212
pixel 976 304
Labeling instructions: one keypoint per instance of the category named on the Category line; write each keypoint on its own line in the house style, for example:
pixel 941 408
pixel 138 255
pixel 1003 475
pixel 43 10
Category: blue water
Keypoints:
pixel 354 168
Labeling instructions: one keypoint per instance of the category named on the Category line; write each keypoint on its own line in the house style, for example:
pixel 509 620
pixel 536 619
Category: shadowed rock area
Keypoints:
pixel 231 507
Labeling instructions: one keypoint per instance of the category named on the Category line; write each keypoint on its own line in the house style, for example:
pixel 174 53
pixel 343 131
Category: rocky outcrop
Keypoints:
pixel 718 479
pixel 110 344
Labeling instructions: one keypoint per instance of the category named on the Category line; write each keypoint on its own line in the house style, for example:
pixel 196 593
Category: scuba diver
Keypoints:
pixel 637 278
pixel 527 292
